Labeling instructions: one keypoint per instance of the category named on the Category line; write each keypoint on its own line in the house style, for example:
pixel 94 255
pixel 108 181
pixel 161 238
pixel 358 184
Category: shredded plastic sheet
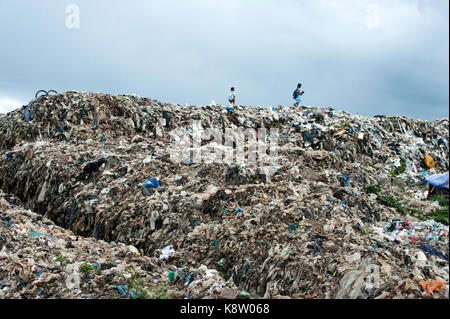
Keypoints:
pixel 438 180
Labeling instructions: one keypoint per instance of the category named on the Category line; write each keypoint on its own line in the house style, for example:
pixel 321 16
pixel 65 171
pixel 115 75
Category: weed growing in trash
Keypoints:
pixel 61 259
pixel 393 121
pixel 442 200
pixel 158 292
pixel 86 268
pixel 365 232
pixel 441 215
pixel 415 213
pixel 399 170
pixel 373 189
pixel 398 205
pixel 137 284
pixel 390 201
pixel 402 168
pixel 422 187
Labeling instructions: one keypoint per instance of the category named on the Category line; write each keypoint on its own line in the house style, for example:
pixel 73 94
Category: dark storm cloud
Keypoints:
pixel 192 51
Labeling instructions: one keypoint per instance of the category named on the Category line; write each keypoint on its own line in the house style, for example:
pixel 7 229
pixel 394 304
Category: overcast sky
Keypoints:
pixel 363 56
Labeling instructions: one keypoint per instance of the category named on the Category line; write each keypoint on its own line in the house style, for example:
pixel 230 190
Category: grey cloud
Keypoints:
pixel 193 51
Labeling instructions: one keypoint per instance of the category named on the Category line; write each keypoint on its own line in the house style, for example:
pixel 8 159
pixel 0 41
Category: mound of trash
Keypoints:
pixel 342 212
pixel 41 260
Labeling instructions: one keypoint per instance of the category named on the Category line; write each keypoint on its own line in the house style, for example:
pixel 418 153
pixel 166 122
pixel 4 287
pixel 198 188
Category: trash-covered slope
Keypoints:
pixel 343 188
pixel 41 260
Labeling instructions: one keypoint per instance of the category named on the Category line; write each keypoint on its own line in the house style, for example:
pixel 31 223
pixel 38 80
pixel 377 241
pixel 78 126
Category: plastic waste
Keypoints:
pixel 151 183
pixel 431 286
pixel 166 252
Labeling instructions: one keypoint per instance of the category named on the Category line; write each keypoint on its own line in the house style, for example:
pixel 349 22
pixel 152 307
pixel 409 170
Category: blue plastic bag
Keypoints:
pixel 121 291
pixel 151 183
pixel 432 251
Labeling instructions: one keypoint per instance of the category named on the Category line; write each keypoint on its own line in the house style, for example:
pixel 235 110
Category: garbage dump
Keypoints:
pixel 41 260
pixel 343 213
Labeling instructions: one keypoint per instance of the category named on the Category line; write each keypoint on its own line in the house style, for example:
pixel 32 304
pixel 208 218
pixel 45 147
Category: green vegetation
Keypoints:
pixel 345 125
pixel 374 189
pixel 441 215
pixel 86 268
pixel 415 213
pixel 392 202
pixel 137 284
pixel 159 292
pixel 443 201
pixel 402 168
pixel 394 122
pixel 365 232
pixel 422 187
pixel 61 259
pixel 399 170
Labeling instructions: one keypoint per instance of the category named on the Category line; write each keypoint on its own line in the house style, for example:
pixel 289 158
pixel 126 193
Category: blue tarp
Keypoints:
pixel 438 180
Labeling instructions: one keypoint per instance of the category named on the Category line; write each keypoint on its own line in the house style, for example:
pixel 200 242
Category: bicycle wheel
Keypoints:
pixel 52 91
pixel 40 91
